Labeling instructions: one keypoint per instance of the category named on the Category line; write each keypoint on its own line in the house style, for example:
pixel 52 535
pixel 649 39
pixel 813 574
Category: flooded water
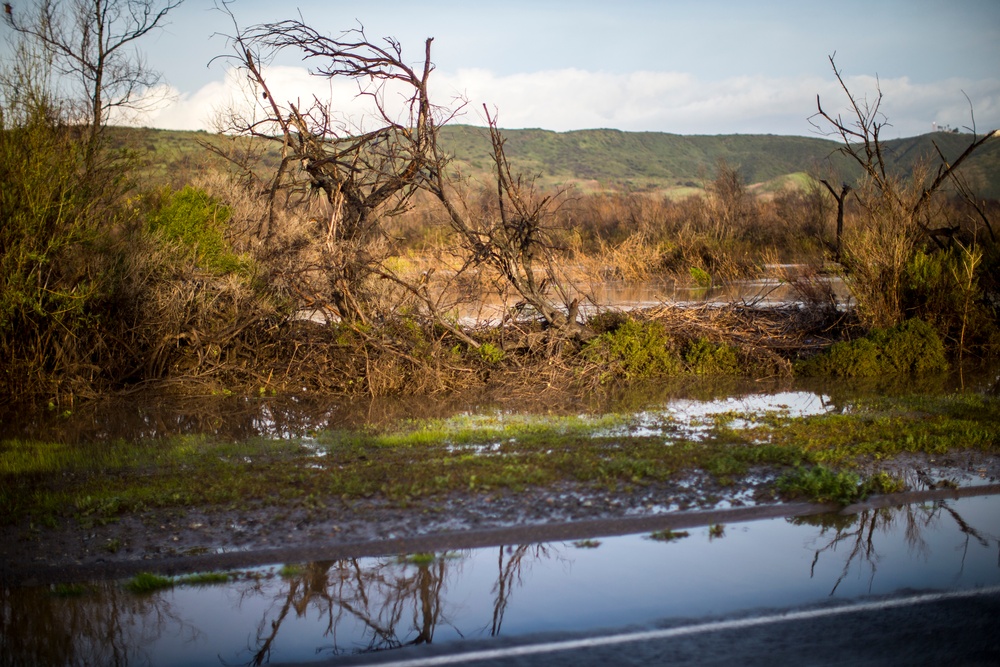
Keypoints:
pixel 319 610
pixel 674 403
pixel 621 295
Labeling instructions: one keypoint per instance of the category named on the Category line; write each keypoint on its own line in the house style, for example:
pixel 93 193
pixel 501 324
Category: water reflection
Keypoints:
pixel 356 605
pixel 857 539
pixel 92 624
pixel 375 604
pixel 388 605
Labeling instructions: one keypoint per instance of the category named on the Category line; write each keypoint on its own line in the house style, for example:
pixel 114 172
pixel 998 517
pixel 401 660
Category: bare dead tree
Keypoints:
pixel 364 177
pixel 92 43
pixel 368 173
pixel 515 243
pixel 841 198
pixel 861 136
pixel 896 209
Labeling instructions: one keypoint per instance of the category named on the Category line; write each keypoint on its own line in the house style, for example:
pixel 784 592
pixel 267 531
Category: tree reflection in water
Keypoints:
pixel 859 533
pixel 356 605
pixel 96 624
pixel 510 576
pixel 397 601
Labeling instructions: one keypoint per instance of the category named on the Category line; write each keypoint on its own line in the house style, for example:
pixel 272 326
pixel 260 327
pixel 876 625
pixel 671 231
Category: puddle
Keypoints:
pixel 692 420
pixel 654 409
pixel 314 611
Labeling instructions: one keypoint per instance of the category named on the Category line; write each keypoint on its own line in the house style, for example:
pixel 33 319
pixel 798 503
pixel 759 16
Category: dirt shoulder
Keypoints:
pixel 204 539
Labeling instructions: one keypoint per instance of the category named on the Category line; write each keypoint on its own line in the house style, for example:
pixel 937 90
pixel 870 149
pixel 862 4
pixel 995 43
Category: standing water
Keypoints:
pixel 319 610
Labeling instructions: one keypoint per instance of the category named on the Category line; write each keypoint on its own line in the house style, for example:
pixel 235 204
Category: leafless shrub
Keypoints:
pixel 896 212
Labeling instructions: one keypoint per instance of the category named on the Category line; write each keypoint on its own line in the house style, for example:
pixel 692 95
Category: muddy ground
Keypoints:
pixel 203 539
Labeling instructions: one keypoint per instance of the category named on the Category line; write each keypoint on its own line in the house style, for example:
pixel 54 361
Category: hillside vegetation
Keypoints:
pixel 615 160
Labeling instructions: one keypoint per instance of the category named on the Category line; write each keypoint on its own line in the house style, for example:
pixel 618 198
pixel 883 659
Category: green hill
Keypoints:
pixel 611 159
pixel 638 160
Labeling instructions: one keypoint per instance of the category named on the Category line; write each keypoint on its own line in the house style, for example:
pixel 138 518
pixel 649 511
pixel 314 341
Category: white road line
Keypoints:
pixel 668 633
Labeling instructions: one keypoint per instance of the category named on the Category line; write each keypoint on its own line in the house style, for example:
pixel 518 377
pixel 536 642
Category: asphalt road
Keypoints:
pixel 955 628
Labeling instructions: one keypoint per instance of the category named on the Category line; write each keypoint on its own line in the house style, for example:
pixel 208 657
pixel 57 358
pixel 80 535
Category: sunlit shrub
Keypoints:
pixel 197 222
pixel 944 289
pixel 634 350
pixel 704 357
pixel 912 347
pixel 490 353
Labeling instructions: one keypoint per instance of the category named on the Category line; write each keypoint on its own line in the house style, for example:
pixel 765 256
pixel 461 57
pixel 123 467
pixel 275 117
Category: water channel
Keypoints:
pixel 320 610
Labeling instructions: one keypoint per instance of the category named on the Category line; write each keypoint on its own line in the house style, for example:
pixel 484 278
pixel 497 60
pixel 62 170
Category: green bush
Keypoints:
pixel 490 353
pixel 701 277
pixel 704 357
pixel 195 221
pixel 953 291
pixel 64 230
pixel 634 350
pixel 910 348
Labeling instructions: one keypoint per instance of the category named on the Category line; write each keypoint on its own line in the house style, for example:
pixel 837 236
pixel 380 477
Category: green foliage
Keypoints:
pixel 195 221
pixel 667 535
pixel 70 590
pixel 420 559
pixel 145 583
pixel 291 570
pixel 490 353
pixel 882 483
pixel 205 579
pixel 63 230
pixel 701 277
pixel 945 288
pixel 912 347
pixel 704 357
pixel 823 485
pixel 634 350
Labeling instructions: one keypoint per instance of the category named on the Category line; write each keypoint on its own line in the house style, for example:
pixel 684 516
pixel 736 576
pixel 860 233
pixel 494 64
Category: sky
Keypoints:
pixel 705 67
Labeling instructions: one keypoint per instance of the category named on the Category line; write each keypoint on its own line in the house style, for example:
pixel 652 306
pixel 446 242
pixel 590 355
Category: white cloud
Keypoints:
pixel 569 99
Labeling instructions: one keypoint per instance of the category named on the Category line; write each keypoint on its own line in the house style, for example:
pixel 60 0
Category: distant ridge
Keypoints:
pixel 613 159
pixel 661 160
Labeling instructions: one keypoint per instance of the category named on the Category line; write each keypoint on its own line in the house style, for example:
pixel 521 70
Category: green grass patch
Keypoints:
pixel 291 570
pixel 668 535
pixel 145 583
pixel 205 579
pixel 823 485
pixel 70 590
pixel 634 351
pixel 420 559
pixel 883 428
pixel 49 484
pixel 587 544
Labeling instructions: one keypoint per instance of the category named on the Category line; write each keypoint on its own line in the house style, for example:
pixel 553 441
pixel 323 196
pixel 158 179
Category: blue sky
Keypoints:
pixel 709 67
